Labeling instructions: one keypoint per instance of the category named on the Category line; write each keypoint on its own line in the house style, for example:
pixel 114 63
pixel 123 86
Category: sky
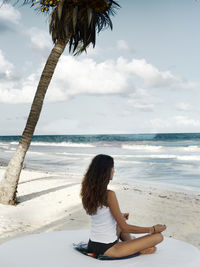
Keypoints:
pixel 142 77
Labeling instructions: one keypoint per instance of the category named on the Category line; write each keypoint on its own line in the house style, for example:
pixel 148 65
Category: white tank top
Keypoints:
pixel 103 226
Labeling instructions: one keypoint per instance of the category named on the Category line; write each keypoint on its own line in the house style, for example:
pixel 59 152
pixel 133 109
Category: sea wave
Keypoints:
pixel 35 153
pixel 142 147
pixel 123 158
pixel 190 148
pixel 4 147
pixel 129 162
pixel 62 144
pixel 3 144
pixel 189 158
pixel 75 154
pixel 160 156
pixel 180 137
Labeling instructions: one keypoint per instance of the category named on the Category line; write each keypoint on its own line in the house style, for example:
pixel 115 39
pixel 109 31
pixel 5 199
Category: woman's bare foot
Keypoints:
pixel 148 250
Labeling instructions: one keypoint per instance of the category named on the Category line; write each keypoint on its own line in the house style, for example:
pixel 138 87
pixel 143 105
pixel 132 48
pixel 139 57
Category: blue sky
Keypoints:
pixel 142 77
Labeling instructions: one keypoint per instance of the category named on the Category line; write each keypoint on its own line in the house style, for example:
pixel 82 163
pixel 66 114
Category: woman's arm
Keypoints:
pixel 115 210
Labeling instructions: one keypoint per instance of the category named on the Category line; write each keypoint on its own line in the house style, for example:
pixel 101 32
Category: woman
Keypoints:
pixel 108 224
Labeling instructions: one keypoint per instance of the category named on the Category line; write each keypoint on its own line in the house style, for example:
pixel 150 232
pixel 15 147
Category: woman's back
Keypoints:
pixel 103 226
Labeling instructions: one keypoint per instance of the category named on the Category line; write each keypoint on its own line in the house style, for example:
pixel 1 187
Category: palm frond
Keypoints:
pixel 76 21
pixel 80 21
pixel 59 9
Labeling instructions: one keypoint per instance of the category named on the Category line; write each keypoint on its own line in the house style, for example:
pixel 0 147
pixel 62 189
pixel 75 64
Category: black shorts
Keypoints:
pixel 99 248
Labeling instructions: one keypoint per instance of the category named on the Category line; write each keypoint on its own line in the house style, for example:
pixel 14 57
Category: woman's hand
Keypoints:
pixel 158 228
pixel 125 215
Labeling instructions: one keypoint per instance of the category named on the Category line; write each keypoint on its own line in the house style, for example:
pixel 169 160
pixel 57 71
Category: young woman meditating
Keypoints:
pixel 108 224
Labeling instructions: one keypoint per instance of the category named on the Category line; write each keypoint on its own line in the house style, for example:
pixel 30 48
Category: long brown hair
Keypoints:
pixel 95 181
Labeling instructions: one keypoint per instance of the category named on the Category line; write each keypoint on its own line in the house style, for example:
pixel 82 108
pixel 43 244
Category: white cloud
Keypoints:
pixel 6 68
pixel 142 100
pixel 184 120
pixel 142 105
pixel 75 76
pixel 152 77
pixel 8 13
pixel 10 84
pixel 122 45
pixel 108 77
pixel 10 92
pixel 175 124
pixel 183 106
pixel 40 41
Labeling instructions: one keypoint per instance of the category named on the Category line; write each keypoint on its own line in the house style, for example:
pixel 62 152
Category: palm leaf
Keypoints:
pixel 76 21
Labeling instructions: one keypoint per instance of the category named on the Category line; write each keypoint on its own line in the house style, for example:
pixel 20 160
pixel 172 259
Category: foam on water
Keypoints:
pixel 189 158
pixel 190 148
pixel 77 154
pixel 142 147
pixel 160 156
pixel 35 153
pixel 63 144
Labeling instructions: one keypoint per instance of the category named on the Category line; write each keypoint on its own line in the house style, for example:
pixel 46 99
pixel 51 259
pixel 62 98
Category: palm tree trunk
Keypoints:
pixel 8 185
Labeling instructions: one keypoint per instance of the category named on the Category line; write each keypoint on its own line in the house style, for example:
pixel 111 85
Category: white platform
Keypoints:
pixel 55 249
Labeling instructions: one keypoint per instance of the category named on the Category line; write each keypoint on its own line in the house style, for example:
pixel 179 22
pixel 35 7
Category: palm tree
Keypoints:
pixel 73 22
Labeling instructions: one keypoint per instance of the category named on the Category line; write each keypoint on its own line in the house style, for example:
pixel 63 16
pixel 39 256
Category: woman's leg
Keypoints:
pixel 127 237
pixel 126 248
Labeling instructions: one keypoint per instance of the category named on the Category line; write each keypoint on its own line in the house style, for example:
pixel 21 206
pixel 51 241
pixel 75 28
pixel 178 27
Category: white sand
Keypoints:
pixel 50 202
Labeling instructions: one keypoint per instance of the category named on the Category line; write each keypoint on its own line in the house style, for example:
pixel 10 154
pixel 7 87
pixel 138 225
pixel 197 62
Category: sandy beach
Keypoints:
pixel 51 202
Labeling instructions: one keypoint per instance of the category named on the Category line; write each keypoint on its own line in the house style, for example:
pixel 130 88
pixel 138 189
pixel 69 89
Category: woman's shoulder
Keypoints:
pixel 110 193
pixel 112 199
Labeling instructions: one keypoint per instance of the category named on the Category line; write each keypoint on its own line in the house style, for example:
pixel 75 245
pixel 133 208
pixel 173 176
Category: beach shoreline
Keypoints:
pixel 51 202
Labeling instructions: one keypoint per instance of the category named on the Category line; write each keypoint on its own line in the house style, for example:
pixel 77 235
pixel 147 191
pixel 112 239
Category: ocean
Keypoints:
pixel 171 160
